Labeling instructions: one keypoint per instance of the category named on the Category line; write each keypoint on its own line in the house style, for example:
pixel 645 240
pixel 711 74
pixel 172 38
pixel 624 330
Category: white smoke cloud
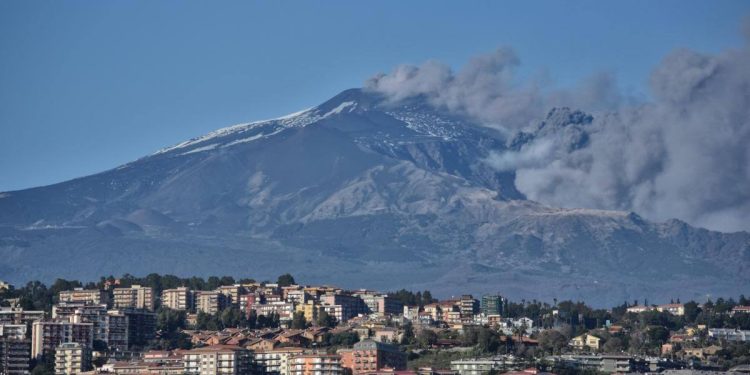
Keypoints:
pixel 685 154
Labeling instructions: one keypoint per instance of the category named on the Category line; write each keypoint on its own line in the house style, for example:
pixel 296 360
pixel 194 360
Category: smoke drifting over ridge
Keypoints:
pixel 685 154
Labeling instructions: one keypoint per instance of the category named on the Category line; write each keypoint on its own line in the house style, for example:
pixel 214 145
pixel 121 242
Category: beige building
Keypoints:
pixel 210 302
pixel 14 356
pixel 72 359
pixel 315 364
pixel 46 337
pixel 672 308
pixel 276 360
pixel 89 296
pixel 586 341
pixel 232 292
pixel 177 299
pixel 218 359
pixel 136 296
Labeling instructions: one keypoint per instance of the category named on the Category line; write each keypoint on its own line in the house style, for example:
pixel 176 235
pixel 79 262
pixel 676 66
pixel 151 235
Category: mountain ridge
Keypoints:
pixel 395 193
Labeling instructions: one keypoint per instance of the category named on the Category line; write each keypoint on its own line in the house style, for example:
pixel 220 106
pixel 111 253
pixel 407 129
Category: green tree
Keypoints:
pixel 326 320
pixel 286 280
pixel 426 338
pixel 408 337
pixel 299 321
pixel 552 341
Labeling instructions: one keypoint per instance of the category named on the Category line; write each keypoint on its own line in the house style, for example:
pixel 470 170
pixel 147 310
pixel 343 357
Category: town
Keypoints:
pixel 171 325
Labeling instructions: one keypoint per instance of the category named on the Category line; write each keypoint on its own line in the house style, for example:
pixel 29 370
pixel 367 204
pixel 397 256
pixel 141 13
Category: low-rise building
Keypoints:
pixel 601 363
pixel 740 310
pixel 481 366
pixel 729 334
pixel 672 308
pixel 585 341
pixel 639 309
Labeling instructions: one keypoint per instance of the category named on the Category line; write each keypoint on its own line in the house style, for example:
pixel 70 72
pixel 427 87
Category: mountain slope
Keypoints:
pixel 361 192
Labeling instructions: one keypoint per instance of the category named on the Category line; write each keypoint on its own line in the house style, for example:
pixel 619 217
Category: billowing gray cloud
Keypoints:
pixel 685 154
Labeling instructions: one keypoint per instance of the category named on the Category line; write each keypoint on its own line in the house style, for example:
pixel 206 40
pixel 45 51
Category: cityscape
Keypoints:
pixel 170 325
pixel 337 187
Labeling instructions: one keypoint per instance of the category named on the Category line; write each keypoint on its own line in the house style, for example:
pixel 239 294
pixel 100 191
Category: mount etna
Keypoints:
pixel 362 192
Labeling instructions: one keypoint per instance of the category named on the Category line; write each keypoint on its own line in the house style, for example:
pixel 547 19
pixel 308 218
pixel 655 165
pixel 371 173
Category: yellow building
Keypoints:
pixel 311 310
pixel 586 341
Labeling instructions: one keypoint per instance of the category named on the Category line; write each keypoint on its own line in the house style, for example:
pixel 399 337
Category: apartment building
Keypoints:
pixel 283 309
pixel 14 356
pixel 47 336
pixel 315 364
pixel 370 356
pixel 218 359
pixel 16 315
pixel 72 359
pixel 343 306
pixel 381 304
pixel 468 306
pixel 136 296
pixel 177 299
pixel 276 361
pixel 13 331
pixel 311 310
pixel 88 296
pixel 232 293
pixel 115 330
pixel 141 325
pixel 210 302
pixel 491 305
pixel 729 334
pixel 110 326
pixel 478 366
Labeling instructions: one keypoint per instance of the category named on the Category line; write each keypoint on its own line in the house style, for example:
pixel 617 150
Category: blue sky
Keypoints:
pixel 88 85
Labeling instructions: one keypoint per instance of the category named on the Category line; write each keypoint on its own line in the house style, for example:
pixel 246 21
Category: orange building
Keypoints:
pixel 369 356
pixel 315 364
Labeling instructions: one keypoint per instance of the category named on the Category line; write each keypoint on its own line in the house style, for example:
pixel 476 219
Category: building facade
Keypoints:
pixel 72 359
pixel 218 359
pixel 92 296
pixel 316 364
pixel 47 336
pixel 491 305
pixel 14 356
pixel 136 296
pixel 210 302
pixel 177 299
pixel 370 356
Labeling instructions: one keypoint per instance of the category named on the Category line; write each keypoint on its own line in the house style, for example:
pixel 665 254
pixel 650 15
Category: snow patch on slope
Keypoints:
pixel 429 124
pixel 341 107
pixel 201 149
pixel 292 120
